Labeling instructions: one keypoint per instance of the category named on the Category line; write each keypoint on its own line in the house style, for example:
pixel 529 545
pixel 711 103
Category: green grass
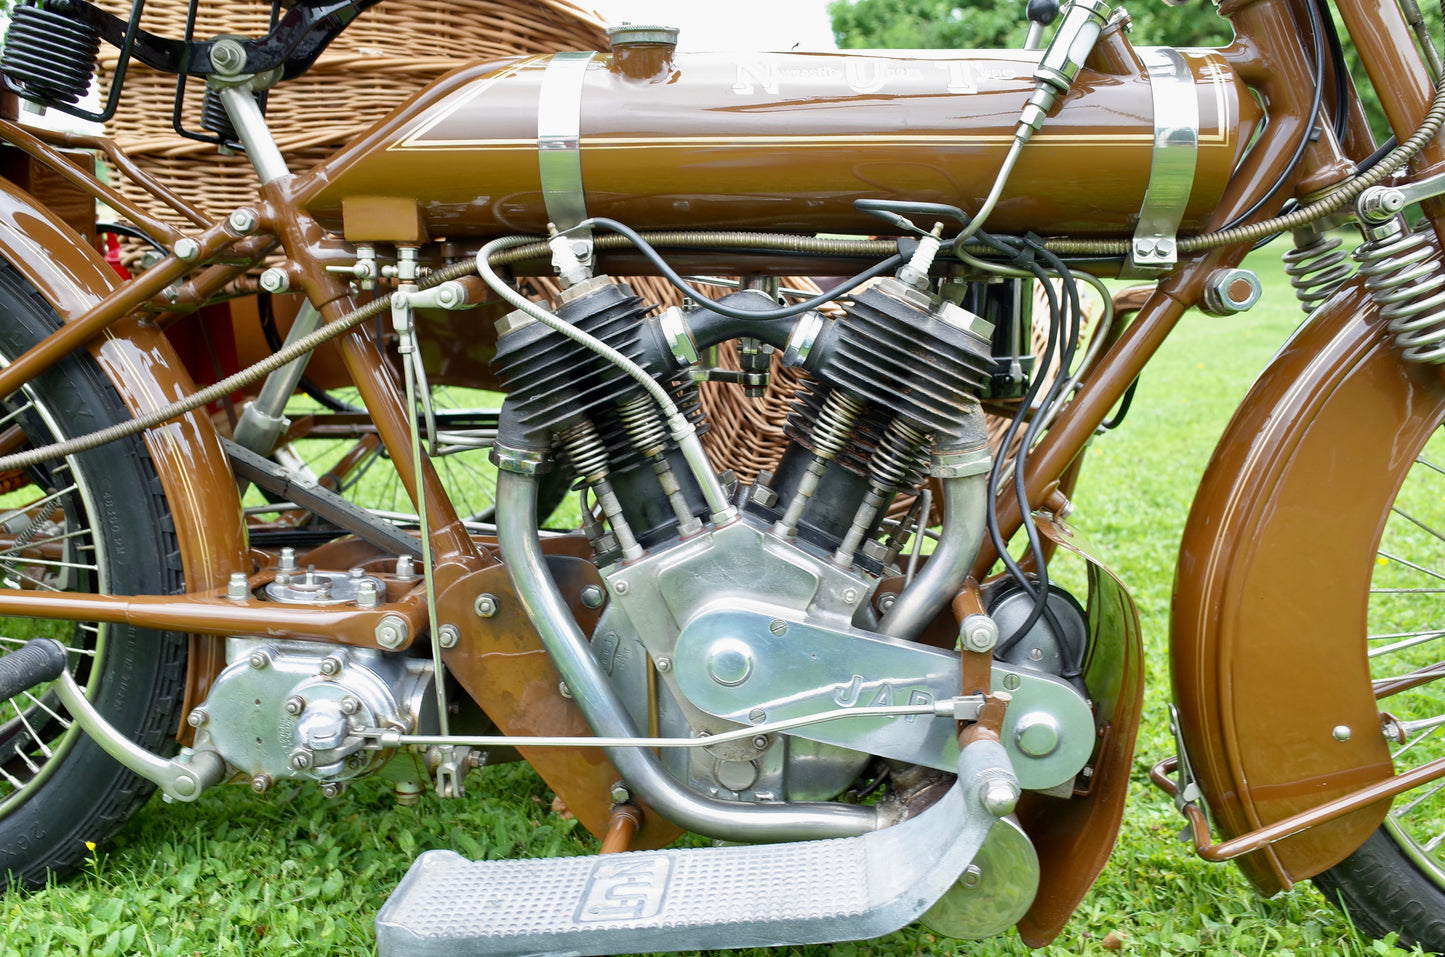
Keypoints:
pixel 292 872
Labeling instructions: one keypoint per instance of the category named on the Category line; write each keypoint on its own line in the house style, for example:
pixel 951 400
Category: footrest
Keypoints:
pixel 694 898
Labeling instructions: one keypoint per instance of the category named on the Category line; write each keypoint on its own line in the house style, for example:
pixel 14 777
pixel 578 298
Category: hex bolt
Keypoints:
pixel 366 594
pixel 323 589
pixel 261 783
pixel 449 636
pixel 886 601
pixel 664 665
pixel 331 665
pixel 243 220
pixel 1000 797
pixel 592 597
pixel 350 704
pixel 778 627
pixel 275 279
pixel 288 560
pixel 228 56
pixel 391 631
pixel 300 761
pixel 238 588
pixel 979 633
pixel 295 704
pixel 971 875
pixel 186 249
pixel 620 793
pixel 197 717
pixel 485 605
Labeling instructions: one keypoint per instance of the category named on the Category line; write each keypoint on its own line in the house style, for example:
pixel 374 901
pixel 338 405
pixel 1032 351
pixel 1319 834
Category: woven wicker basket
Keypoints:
pixel 387 54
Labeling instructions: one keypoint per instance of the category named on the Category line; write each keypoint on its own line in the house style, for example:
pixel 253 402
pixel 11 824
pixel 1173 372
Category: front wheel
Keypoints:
pixel 95 522
pixel 1395 882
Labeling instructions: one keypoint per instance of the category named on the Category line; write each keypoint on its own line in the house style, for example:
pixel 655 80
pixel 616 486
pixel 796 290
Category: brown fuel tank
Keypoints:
pixel 776 141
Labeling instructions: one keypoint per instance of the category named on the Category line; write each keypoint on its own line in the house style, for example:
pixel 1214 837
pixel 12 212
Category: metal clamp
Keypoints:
pixel 1154 248
pixel 559 138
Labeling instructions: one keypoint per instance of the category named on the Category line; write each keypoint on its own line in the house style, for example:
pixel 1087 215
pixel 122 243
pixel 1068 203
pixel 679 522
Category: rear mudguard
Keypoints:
pixel 1272 586
pixel 199 487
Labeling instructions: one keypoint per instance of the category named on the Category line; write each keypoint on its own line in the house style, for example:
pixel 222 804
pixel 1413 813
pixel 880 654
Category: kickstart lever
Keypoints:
pixel 182 778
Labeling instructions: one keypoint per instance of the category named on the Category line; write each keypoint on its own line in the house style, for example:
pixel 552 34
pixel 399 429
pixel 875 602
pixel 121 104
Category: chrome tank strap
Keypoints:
pixel 559 138
pixel 1171 171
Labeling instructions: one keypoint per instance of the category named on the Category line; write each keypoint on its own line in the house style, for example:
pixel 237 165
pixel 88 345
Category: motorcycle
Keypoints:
pixel 885 712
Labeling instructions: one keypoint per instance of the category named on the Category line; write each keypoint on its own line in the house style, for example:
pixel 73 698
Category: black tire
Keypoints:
pixel 1384 888
pixel 112 533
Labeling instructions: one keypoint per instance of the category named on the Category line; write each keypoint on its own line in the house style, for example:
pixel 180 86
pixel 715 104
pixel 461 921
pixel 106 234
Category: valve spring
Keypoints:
pixel 807 406
pixel 643 423
pixel 49 55
pixel 835 424
pixel 1403 276
pixel 1316 268
pixel 585 451
pixel 896 464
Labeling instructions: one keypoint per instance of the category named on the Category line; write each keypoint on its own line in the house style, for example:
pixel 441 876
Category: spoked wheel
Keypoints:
pixel 1396 880
pixel 96 522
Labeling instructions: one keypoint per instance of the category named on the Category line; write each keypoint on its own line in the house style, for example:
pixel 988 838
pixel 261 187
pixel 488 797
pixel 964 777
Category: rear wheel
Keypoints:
pixel 96 522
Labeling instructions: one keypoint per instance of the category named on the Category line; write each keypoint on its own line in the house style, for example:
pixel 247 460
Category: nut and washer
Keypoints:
pixel 979 633
pixel 186 249
pixel 275 279
pixel 239 587
pixel 261 783
pixel 197 717
pixel 228 56
pixel 244 220
pixel 1231 291
pixel 350 704
pixel 331 665
pixel 391 631
pixel 295 704
pixel 664 665
pixel 449 636
pixel 485 605
pixel 366 594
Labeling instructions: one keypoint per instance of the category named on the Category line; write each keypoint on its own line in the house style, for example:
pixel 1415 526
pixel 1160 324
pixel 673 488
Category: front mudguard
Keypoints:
pixel 1271 591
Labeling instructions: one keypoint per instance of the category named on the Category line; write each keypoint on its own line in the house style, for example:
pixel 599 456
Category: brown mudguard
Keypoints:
pixel 1274 571
pixel 199 487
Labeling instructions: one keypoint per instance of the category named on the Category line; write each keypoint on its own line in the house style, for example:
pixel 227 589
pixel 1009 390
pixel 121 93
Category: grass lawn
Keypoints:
pixel 294 873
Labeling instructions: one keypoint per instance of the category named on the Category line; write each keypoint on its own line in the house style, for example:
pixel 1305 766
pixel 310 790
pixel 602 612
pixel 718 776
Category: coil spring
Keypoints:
pixel 643 423
pixel 1316 268
pixel 41 519
pixel 896 463
pixel 835 424
pixel 585 451
pixel 214 116
pixel 1404 278
pixel 49 55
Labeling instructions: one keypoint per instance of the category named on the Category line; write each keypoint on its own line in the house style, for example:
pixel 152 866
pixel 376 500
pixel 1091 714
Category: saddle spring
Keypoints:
pixel 1405 278
pixel 1316 267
